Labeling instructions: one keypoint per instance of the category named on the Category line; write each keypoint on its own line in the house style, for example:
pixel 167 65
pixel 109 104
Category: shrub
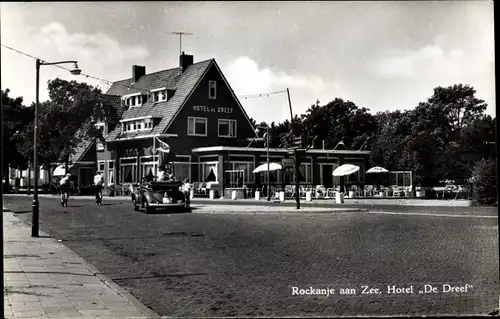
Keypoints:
pixel 484 181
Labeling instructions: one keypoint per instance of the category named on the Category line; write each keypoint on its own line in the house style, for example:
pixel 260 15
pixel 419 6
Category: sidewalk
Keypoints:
pixel 45 279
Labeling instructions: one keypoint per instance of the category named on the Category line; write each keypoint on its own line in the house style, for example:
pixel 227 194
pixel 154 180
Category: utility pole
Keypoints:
pixel 297 155
pixel 180 34
pixel 267 145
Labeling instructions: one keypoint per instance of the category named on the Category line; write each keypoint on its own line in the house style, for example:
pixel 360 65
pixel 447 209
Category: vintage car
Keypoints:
pixel 160 195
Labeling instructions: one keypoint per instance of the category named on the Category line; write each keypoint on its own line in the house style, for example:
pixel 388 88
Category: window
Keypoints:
pixel 135 100
pixel 111 173
pixel 227 128
pixel 102 127
pixel 212 90
pixel 197 126
pixel 138 125
pixel 101 167
pixel 128 169
pixel 159 95
pixel 357 177
pixel 182 171
pixel 246 167
pixel 208 172
pixel 148 166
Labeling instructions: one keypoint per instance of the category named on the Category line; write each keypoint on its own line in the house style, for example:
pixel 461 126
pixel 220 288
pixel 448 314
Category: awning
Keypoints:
pixel 61 170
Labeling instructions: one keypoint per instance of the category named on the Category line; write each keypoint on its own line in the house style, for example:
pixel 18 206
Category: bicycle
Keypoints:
pixel 98 196
pixel 64 197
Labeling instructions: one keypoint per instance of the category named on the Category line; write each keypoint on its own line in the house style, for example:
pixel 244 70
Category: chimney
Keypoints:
pixel 137 72
pixel 185 60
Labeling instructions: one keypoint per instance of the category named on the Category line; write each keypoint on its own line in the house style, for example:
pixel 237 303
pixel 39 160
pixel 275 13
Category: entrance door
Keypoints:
pixel 327 177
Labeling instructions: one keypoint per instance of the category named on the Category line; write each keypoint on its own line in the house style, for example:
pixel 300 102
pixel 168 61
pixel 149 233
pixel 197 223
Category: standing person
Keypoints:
pixel 98 182
pixel 64 186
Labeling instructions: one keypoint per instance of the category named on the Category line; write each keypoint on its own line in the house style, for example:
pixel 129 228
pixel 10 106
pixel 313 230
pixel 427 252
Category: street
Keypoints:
pixel 213 262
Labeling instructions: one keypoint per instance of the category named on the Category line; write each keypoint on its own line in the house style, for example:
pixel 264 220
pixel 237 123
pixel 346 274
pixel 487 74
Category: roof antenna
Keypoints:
pixel 180 34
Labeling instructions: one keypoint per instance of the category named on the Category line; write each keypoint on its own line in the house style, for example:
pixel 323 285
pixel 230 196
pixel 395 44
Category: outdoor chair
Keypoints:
pixel 320 191
pixel 330 193
pixel 127 189
pixel 368 190
pixel 396 192
pixel 302 191
pixel 313 193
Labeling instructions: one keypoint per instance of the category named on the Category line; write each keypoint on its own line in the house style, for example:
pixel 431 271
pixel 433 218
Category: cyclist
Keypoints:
pixel 186 188
pixel 98 181
pixel 64 186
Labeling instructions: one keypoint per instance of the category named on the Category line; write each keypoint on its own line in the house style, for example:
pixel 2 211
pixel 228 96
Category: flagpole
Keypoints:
pixel 154 155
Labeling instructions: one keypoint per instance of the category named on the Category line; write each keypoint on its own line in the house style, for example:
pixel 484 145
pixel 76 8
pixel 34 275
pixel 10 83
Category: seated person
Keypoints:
pixel 166 176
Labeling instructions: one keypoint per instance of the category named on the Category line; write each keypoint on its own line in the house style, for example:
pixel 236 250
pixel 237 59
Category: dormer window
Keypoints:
pixel 137 124
pixel 134 100
pixel 212 90
pixel 159 95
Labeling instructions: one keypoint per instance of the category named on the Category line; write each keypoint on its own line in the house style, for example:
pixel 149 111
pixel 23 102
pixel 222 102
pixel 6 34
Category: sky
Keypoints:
pixel 379 55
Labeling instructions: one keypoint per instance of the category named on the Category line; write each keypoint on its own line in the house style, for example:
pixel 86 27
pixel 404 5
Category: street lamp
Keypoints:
pixel 35 206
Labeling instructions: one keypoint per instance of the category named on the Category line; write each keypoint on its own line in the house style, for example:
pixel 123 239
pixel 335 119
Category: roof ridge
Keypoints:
pixel 165 70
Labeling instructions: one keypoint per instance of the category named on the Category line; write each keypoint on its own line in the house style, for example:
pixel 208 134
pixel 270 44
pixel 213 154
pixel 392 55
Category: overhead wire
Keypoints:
pixel 129 87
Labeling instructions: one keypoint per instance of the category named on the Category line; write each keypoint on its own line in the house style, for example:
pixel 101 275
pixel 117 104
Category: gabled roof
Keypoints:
pixel 183 84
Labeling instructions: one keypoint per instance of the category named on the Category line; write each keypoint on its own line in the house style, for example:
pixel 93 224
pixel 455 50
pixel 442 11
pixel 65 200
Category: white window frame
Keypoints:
pixel 249 175
pixel 184 163
pixel 137 97
pixel 99 163
pixel 210 85
pixel 143 124
pixel 202 170
pixel 157 92
pixel 109 171
pixel 149 160
pixel 134 169
pixel 192 119
pixel 231 128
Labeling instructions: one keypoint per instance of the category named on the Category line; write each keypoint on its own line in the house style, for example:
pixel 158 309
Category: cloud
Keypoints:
pixel 411 64
pixel 97 55
pixel 95 47
pixel 247 78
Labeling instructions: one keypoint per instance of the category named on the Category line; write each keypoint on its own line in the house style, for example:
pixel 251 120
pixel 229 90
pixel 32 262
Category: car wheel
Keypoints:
pixel 136 207
pixel 149 209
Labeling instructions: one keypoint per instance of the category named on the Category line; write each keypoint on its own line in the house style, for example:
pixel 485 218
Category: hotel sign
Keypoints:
pixel 210 109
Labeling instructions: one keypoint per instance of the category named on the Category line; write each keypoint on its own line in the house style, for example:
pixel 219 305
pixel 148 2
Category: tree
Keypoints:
pixel 67 120
pixel 459 104
pixel 388 142
pixel 484 179
pixel 16 118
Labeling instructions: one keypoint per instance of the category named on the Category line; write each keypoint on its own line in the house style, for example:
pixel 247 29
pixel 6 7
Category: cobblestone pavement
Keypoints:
pixel 45 279
pixel 221 264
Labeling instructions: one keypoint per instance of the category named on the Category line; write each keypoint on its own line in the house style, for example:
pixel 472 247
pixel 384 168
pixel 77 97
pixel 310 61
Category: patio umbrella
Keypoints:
pixel 263 167
pixel 377 170
pixel 346 169
pixel 61 170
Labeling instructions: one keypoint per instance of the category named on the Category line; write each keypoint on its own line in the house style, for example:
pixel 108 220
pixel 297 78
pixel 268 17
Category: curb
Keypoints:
pixel 303 204
pixel 301 211
pixel 121 291
pixel 148 313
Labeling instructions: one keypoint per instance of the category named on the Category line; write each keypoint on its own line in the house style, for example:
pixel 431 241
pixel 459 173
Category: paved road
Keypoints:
pixel 211 263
